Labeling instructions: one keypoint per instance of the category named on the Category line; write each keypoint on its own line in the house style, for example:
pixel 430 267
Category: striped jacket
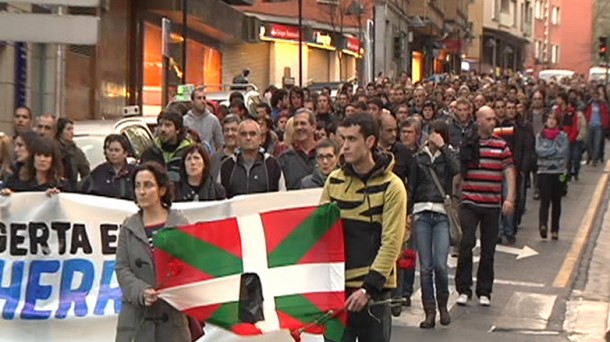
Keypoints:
pixel 373 209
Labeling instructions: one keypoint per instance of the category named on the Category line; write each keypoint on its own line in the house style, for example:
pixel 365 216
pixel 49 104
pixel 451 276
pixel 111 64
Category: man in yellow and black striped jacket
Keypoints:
pixel 373 203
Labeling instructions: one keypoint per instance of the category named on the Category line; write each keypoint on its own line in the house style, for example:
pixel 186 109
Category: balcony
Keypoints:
pixel 426 18
pixel 506 19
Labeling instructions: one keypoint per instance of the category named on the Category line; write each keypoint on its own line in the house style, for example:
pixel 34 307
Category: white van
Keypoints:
pixel 546 75
pixel 597 73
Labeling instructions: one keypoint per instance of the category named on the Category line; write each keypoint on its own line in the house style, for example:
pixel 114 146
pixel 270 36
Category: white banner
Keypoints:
pixel 57 280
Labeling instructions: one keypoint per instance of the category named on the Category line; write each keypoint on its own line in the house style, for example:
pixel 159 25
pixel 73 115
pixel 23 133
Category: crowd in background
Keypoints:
pixel 483 141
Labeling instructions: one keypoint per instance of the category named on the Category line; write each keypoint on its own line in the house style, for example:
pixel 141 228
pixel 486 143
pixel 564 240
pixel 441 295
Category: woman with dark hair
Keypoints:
pixel 428 115
pixel 42 171
pixel 196 183
pixel 296 100
pixel 143 316
pixel 112 178
pixel 270 141
pixel 552 151
pixel 74 159
pixel 437 160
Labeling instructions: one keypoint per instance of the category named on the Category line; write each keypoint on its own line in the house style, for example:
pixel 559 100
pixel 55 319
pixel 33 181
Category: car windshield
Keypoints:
pixel 93 147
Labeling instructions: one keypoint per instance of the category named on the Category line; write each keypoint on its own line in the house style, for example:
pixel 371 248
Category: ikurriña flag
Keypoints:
pixel 251 274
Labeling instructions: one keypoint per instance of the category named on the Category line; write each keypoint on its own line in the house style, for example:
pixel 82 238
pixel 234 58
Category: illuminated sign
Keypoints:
pixel 352 44
pixel 322 38
pixel 278 31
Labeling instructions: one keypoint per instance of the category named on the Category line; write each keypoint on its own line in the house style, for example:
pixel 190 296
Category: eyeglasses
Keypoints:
pixel 248 133
pixel 325 156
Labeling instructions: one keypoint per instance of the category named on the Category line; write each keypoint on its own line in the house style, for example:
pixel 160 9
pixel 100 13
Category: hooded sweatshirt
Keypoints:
pixel 208 126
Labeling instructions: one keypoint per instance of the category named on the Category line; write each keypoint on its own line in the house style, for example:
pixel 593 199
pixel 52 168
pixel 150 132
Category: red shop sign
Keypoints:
pixel 282 32
pixel 353 44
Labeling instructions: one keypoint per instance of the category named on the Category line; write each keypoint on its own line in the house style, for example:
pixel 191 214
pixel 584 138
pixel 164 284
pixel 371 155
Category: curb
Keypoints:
pixel 566 272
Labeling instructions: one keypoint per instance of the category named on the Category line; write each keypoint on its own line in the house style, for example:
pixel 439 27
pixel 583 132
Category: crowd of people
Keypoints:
pixel 391 154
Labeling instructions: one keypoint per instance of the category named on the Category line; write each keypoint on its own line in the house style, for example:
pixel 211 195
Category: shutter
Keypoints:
pixel 237 57
pixel 318 69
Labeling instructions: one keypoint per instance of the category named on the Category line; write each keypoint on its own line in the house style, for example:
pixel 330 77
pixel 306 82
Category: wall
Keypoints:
pixel 476 14
pixel 576 36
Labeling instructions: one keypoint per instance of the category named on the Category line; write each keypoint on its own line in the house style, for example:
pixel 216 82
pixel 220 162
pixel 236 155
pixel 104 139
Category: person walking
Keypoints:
pixel 436 162
pixel 552 151
pixel 487 160
pixel 373 203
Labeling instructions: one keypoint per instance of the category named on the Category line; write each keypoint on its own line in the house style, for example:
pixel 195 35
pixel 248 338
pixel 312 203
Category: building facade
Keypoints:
pixel 563 35
pixel 502 33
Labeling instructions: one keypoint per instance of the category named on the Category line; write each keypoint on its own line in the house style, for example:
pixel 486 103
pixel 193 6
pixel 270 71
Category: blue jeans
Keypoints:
pixel 575 157
pixel 596 137
pixel 432 236
pixel 506 226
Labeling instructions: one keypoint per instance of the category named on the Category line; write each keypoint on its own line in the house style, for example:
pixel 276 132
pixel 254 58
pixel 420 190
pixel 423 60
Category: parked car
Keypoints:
pixel 90 135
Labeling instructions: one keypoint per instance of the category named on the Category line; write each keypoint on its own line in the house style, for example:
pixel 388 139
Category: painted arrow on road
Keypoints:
pixel 521 253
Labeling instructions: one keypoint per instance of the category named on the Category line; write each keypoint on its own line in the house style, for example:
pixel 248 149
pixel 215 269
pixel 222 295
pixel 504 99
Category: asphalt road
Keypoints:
pixel 526 306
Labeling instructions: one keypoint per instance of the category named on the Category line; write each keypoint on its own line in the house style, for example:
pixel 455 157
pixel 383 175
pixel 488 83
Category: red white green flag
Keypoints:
pixel 296 253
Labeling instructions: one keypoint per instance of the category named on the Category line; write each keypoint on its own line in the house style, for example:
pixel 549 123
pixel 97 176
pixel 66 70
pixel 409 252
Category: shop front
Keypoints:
pixel 327 56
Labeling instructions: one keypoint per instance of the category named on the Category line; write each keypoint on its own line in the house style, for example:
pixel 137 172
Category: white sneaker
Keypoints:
pixel 484 301
pixel 462 299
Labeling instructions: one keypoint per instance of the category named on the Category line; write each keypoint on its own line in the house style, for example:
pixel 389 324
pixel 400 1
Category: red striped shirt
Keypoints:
pixel 482 184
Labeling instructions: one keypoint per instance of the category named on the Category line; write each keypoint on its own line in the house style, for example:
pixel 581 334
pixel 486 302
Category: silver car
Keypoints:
pixel 90 135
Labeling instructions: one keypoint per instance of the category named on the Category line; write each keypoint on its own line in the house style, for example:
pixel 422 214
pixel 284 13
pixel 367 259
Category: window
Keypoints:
pixel 538 10
pixel 505 6
pixel 555 54
pixel 555 16
pixel 537 51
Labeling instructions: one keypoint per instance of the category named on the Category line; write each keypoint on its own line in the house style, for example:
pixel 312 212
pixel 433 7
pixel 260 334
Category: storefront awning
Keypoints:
pixel 213 18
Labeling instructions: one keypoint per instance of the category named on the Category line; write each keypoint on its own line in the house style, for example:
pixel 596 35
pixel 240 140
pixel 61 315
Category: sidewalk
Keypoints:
pixel 588 308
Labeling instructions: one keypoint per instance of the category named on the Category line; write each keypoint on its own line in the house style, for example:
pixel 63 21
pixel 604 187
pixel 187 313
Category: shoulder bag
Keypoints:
pixel 455 229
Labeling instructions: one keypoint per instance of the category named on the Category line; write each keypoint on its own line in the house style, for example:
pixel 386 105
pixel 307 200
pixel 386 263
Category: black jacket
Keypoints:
pixel 524 152
pixel 404 164
pixel 210 190
pixel 17 185
pixel 264 176
pixel 446 166
pixel 104 181
pixel 296 164
pixel 457 132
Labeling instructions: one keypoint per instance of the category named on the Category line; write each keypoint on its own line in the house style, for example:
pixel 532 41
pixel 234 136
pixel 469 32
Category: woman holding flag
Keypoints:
pixel 143 317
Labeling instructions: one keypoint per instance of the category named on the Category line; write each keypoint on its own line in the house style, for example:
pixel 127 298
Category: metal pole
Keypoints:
pixel 185 29
pixel 360 61
pixel 59 73
pixel 301 43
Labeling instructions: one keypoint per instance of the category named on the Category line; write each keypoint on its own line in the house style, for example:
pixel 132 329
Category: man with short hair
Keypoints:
pixel 170 145
pixel 300 159
pixel 46 126
pixel 375 106
pixel 372 200
pixel 250 170
pixel 327 158
pixel 490 161
pixel 462 125
pixel 202 121
pixel 230 124
pixel 324 113
pixel 22 121
pixel 410 131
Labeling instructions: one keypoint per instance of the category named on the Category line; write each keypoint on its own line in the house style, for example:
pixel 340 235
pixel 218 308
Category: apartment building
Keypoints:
pixel 502 31
pixel 563 35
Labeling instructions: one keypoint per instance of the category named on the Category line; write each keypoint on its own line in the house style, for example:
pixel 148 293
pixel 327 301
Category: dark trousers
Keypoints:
pixel 551 191
pixel 487 218
pixel 366 328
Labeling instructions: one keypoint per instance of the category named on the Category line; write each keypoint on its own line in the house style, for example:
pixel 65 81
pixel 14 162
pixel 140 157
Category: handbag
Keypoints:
pixel 452 210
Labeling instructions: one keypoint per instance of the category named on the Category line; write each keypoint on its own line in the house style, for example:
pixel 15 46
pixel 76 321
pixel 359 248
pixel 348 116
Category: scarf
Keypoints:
pixel 550 134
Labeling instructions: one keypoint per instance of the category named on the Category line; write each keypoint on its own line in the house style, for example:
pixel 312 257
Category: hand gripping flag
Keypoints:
pixel 253 274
